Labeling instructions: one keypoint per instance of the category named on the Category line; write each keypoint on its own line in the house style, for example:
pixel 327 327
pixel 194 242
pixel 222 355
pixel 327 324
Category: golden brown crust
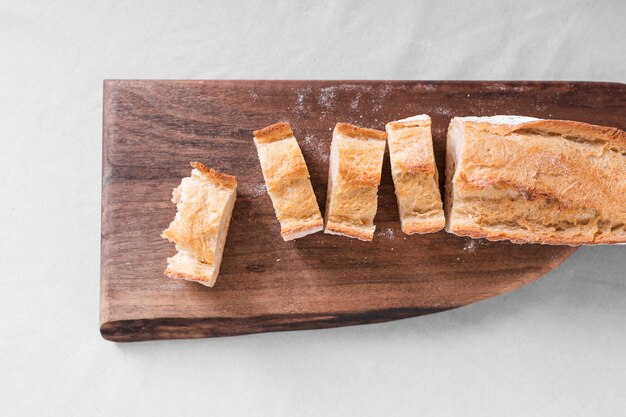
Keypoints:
pixel 196 225
pixel 282 163
pixel 170 273
pixel 359 177
pixel 477 232
pixel 545 181
pixel 216 177
pixel 400 124
pixel 614 137
pixel 354 176
pixel 361 233
pixel 204 203
pixel 300 228
pixel 359 132
pixel 272 133
pixel 287 181
pixel 409 227
pixel 357 164
pixel 415 175
pixel 411 149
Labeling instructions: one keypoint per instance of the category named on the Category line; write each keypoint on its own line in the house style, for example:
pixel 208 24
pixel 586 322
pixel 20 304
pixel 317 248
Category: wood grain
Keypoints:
pixel 152 129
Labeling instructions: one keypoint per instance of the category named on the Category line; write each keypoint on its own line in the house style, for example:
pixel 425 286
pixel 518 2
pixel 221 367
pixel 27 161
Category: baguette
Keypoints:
pixel 356 159
pixel 536 181
pixel 415 176
pixel 287 181
pixel 204 204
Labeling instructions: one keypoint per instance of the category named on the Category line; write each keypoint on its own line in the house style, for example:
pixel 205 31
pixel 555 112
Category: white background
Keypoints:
pixel 556 347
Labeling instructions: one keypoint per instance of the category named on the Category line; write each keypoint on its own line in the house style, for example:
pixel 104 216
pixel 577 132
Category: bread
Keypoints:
pixel 287 181
pixel 536 181
pixel 204 204
pixel 415 175
pixel 356 159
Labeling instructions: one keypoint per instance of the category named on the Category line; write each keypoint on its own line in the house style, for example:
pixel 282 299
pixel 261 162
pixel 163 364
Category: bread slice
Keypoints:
pixel 356 160
pixel 204 204
pixel 536 181
pixel 415 175
pixel 287 181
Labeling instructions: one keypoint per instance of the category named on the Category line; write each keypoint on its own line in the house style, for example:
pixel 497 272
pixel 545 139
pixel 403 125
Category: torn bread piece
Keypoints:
pixel 204 204
pixel 529 180
pixel 415 175
pixel 287 181
pixel 356 160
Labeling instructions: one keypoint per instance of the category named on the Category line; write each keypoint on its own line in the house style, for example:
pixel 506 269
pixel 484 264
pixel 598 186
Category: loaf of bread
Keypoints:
pixel 204 204
pixel 287 181
pixel 415 175
pixel 356 159
pixel 535 181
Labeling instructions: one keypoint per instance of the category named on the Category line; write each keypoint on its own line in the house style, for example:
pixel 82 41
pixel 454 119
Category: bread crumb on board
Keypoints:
pixel 388 233
pixel 470 245
pixel 327 97
pixel 317 146
pixel 258 190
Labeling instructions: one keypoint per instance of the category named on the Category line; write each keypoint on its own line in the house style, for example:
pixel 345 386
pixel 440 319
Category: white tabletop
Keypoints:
pixel 555 347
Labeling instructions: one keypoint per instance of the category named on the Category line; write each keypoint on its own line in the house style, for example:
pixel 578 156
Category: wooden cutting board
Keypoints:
pixel 152 129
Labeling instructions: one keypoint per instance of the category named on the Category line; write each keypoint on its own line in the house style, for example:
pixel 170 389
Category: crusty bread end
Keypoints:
pixel 536 181
pixel 204 204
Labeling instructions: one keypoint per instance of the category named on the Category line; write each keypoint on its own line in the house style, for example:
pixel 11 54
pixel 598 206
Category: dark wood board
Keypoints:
pixel 152 129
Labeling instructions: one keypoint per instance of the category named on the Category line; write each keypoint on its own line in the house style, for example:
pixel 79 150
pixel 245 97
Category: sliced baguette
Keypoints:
pixel 356 159
pixel 536 181
pixel 287 181
pixel 415 174
pixel 204 204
